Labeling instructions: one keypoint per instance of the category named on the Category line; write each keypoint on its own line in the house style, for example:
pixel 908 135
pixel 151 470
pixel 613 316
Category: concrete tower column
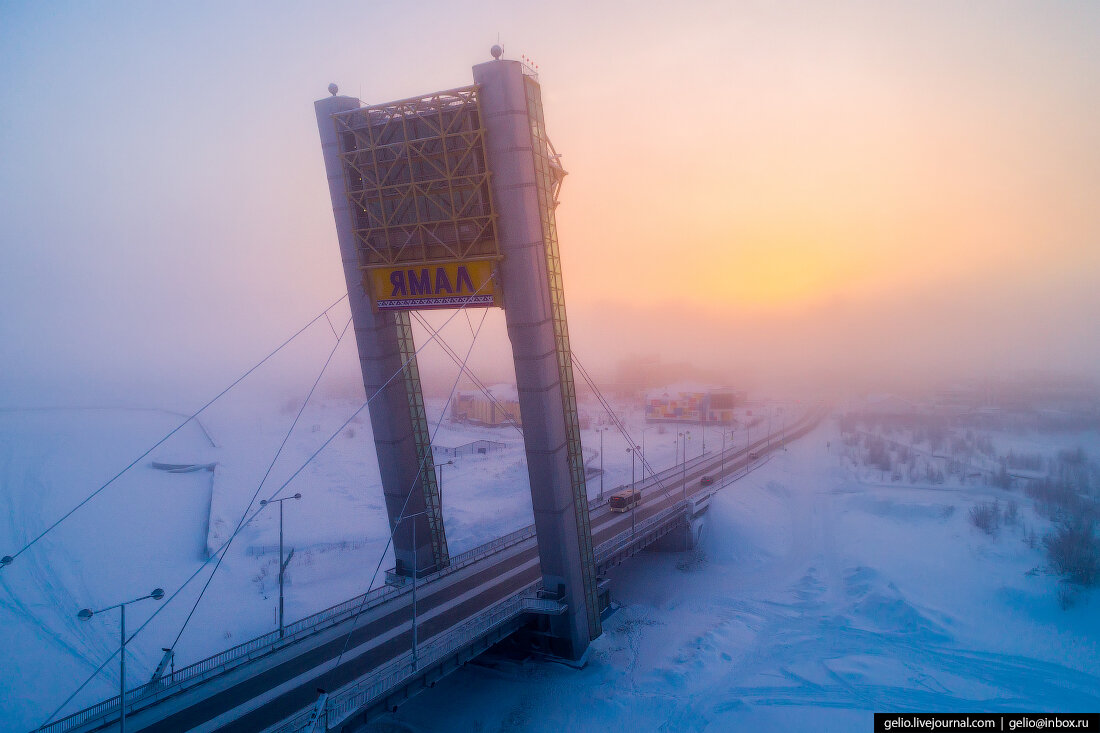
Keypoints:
pixel 385 343
pixel 535 314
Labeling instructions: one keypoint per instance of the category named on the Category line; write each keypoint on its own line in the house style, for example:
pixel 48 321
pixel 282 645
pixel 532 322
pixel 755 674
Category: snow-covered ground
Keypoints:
pixel 153 529
pixel 814 596
pixel 813 600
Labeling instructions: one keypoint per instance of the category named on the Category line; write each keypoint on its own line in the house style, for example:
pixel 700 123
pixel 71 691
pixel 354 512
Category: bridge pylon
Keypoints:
pixel 447 200
pixel 386 348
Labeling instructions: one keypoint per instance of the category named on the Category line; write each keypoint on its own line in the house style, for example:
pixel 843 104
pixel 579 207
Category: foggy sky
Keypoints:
pixel 787 191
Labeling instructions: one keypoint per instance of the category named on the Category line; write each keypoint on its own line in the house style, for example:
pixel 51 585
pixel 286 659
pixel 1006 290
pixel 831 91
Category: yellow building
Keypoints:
pixel 477 409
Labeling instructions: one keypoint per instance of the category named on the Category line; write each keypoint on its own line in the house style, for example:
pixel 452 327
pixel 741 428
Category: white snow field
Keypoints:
pixel 153 529
pixel 813 598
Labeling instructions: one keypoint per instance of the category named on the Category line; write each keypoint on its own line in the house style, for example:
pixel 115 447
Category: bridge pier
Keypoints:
pixel 685 536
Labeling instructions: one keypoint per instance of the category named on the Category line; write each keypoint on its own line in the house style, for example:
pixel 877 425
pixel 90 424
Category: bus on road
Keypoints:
pixel 623 501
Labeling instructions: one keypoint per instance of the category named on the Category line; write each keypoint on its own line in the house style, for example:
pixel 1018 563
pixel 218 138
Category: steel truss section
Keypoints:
pixel 417 180
pixel 422 438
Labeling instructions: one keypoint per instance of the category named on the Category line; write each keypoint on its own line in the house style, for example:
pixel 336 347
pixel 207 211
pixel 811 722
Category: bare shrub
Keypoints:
pixel 1074 550
pixel 986 516
pixel 1067 596
pixel 1055 499
pixel 1012 513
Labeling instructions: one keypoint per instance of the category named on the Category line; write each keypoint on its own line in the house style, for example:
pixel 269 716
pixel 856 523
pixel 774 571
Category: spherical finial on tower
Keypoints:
pixel 332 89
pixel 497 51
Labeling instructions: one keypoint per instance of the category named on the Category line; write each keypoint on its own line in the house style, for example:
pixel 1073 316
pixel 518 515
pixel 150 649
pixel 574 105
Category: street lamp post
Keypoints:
pixel 683 473
pixel 602 431
pixel 87 613
pixel 723 452
pixel 282 564
pixel 415 571
pixel 684 467
pixel 440 472
pixel 633 489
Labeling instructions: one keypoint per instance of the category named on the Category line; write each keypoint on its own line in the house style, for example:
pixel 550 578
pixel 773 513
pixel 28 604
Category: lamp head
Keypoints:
pixel 298 495
pixel 157 594
pixel 85 614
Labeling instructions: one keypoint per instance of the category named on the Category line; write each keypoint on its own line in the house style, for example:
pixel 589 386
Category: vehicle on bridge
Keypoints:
pixel 624 500
pixel 706 481
pixel 753 455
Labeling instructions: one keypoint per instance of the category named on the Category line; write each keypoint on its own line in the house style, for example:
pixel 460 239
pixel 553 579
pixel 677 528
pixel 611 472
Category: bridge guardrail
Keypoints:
pixel 353 698
pixel 272 641
pixel 344 703
pixel 626 537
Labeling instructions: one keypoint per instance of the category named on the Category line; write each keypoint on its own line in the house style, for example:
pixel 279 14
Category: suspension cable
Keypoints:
pixel 619 425
pixel 469 372
pixel 401 514
pixel 246 523
pixel 267 473
pixel 7 560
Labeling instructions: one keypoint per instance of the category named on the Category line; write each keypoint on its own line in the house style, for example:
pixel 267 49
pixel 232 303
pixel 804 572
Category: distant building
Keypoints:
pixel 693 406
pixel 720 403
pixel 476 447
pixel 474 408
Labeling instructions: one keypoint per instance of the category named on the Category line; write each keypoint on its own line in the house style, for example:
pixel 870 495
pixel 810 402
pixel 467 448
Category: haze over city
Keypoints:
pixel 788 191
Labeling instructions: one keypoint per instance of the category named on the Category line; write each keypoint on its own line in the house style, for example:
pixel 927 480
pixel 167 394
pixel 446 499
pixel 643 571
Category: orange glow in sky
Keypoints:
pixel 923 174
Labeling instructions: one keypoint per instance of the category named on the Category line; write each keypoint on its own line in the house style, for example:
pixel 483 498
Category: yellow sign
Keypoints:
pixel 444 285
